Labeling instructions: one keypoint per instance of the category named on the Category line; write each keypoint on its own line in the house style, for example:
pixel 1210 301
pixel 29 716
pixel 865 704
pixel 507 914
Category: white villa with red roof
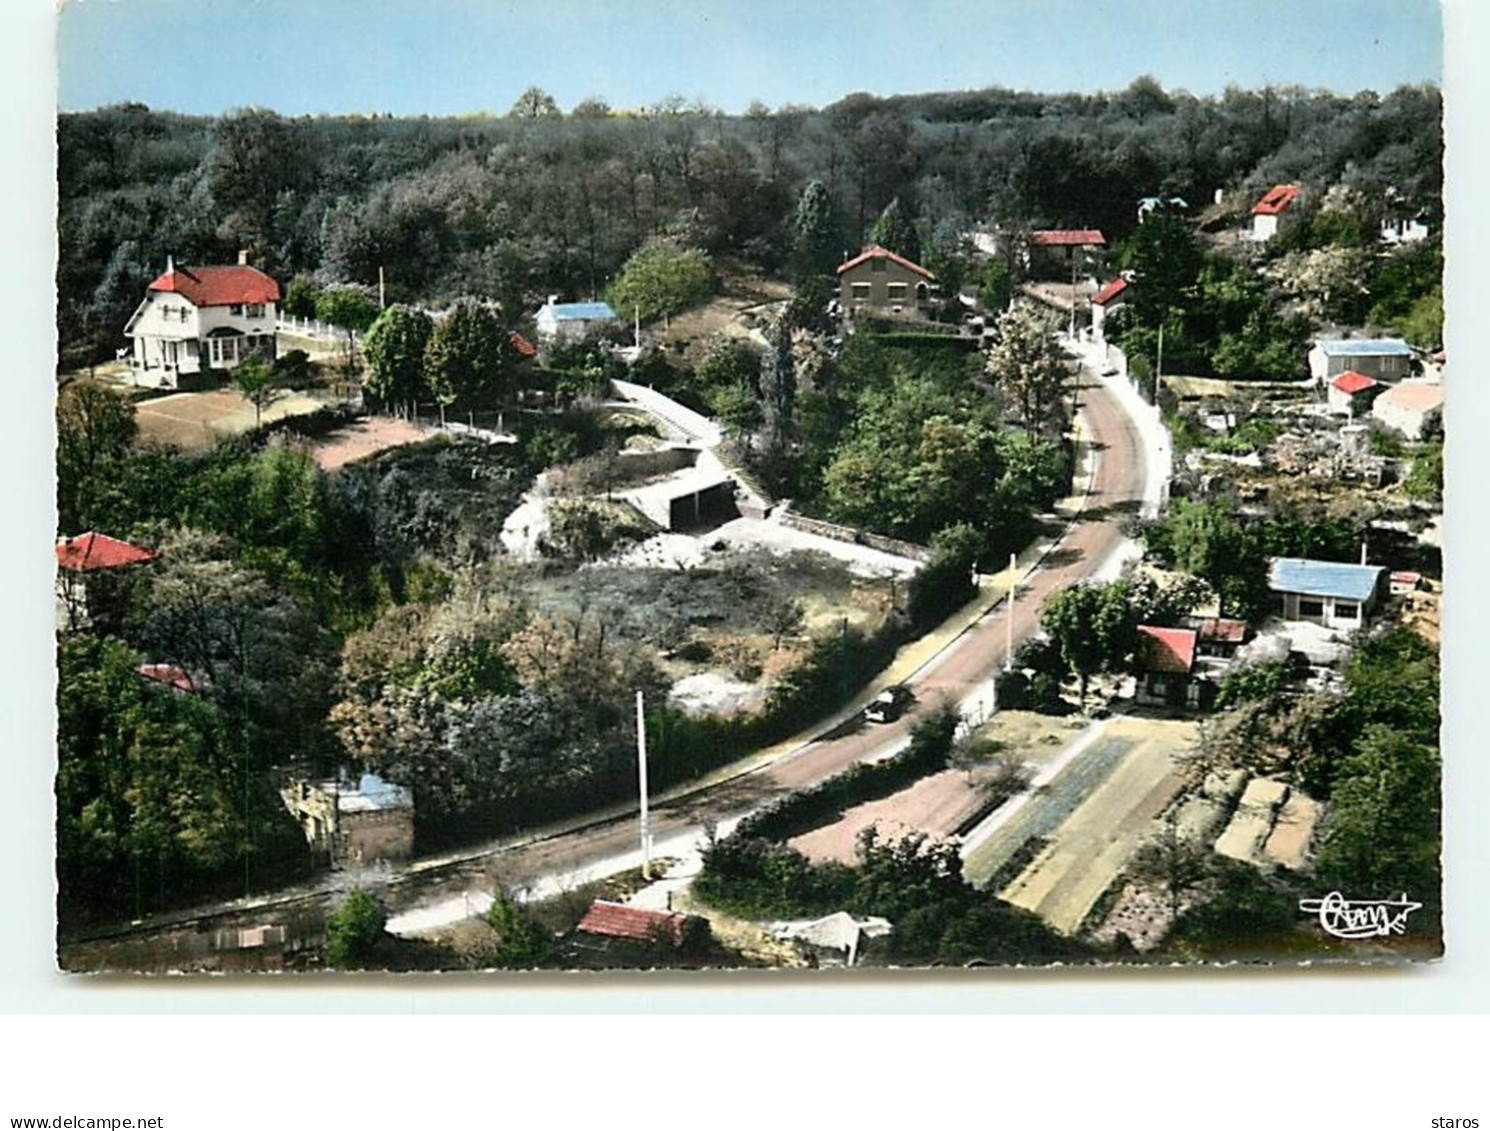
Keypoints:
pixel 1268 212
pixel 1107 299
pixel 877 283
pixel 198 318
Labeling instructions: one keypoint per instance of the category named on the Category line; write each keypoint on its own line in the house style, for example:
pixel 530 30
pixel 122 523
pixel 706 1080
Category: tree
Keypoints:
pixel 95 428
pixel 817 241
pixel 521 943
pixel 660 280
pixel 895 232
pixel 591 109
pixel 1174 864
pixel 534 103
pixel 354 929
pixel 467 357
pixel 351 308
pixel 1093 627
pixel 255 381
pixel 394 348
pixel 1030 371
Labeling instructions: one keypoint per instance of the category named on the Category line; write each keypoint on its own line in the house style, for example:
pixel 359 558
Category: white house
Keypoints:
pixel 1400 229
pixel 1351 392
pixel 1337 595
pixel 1268 212
pixel 1387 360
pixel 1109 298
pixel 560 322
pixel 198 318
pixel 1413 408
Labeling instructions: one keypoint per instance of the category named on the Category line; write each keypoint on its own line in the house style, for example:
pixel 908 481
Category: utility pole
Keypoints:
pixel 1009 620
pixel 641 773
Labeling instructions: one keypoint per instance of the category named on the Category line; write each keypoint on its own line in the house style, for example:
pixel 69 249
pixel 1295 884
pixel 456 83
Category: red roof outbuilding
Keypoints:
pixel 218 286
pixel 1068 237
pixel 1166 649
pixel 636 924
pixel 1350 382
pixel 168 674
pixel 874 251
pixel 521 346
pixel 1109 292
pixel 98 551
pixel 1275 200
pixel 1222 630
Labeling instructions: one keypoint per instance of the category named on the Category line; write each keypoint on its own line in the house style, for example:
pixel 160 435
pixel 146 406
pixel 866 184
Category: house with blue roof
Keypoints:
pixel 562 322
pixel 1387 360
pixel 1337 595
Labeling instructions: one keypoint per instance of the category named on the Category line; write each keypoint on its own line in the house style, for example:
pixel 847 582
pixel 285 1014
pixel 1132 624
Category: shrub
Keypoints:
pixel 353 929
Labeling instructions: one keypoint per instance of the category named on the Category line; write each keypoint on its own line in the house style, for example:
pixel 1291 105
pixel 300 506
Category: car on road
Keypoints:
pixel 889 704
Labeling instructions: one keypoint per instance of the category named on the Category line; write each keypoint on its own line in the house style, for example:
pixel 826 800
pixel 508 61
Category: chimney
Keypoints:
pixel 553 300
pixel 170 265
pixel 243 257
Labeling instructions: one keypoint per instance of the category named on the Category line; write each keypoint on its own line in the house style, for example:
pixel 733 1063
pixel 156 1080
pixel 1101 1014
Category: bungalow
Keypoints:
pixel 194 319
pixel 565 322
pixel 82 564
pixel 1062 252
pixel 1166 667
pixel 1268 212
pixel 1111 296
pixel 1337 595
pixel 1351 393
pixel 1388 360
pixel 877 283
pixel 357 822
pixel 1414 408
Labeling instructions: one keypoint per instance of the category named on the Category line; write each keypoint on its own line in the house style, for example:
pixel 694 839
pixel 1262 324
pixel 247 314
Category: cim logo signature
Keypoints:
pixel 1360 918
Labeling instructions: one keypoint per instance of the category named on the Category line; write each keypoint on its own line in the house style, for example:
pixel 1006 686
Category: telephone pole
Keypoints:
pixel 641 773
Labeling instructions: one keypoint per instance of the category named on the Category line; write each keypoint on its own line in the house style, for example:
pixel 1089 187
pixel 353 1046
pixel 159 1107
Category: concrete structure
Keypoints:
pixel 1414 408
pixel 1404 229
pixel 877 283
pixel 1336 595
pixel 1351 393
pixel 200 318
pixel 565 322
pixel 1111 296
pixel 1268 212
pixel 353 822
pixel 1387 360
pixel 698 496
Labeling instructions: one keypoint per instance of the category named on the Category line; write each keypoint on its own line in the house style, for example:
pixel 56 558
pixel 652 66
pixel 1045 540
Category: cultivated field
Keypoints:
pixel 195 421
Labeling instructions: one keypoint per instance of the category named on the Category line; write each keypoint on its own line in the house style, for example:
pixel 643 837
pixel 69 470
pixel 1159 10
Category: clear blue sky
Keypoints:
pixel 443 57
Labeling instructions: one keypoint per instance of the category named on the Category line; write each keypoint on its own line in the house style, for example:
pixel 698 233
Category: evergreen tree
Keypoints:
pixel 817 239
pixel 894 231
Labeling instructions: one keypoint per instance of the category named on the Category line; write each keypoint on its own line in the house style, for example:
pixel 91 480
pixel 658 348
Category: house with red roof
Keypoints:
pixel 197 319
pixel 1165 661
pixel 1269 212
pixel 85 566
pixel 1108 298
pixel 1351 393
pixel 1060 252
pixel 877 283
pixel 620 934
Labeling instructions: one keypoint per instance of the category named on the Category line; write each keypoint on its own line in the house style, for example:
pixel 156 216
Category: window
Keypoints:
pixel 236 308
pixel 254 310
pixel 1347 610
pixel 1310 607
pixel 895 291
pixel 861 292
pixel 877 266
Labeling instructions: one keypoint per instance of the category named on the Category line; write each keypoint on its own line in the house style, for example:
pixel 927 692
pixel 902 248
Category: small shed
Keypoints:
pixel 1166 666
pixel 1268 212
pixel 1414 408
pixel 628 933
pixel 1351 393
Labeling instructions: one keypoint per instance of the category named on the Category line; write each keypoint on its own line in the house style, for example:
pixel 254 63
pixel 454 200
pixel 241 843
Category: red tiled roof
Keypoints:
pixel 637 924
pixel 1110 291
pixel 1222 630
pixel 1167 649
pixel 521 346
pixel 98 551
pixel 1068 237
pixel 876 252
pixel 168 674
pixel 1275 200
pixel 1351 382
pixel 218 286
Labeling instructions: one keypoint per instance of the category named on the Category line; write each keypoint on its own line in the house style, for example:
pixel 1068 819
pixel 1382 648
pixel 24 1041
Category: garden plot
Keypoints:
pixel 938 805
pixel 195 421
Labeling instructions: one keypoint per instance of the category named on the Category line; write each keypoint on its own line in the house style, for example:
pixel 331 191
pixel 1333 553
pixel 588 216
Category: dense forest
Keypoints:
pixel 514 208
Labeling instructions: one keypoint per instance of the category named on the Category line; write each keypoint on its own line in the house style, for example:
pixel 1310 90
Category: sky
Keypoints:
pixel 444 57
